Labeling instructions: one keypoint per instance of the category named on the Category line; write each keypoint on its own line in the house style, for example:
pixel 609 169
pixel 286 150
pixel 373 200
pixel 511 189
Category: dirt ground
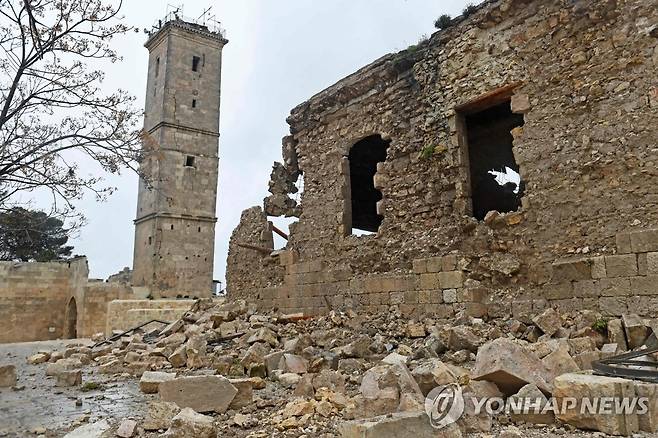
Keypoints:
pixel 36 405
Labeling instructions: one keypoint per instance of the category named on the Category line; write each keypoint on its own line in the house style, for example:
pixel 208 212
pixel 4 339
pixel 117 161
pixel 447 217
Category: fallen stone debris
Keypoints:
pixel 225 370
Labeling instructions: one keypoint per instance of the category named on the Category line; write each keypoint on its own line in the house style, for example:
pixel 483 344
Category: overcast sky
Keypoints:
pixel 281 52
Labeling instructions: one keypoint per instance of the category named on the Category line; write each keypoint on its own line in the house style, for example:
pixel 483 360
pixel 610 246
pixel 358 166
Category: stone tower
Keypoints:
pixel 175 224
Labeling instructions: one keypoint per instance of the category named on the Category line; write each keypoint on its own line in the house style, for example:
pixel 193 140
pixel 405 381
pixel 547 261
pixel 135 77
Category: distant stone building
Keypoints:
pixel 405 202
pixel 175 225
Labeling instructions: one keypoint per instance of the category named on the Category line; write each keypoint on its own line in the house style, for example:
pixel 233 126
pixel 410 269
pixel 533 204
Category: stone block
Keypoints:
pixel 159 415
pixel 645 285
pixel 434 265
pixel 450 296
pixel 451 279
pixel 585 386
pixel 430 373
pixel 635 329
pixel 549 321
pixel 613 306
pixel 189 423
pixel 287 258
pixel 126 429
pixel 151 380
pixel 244 397
pixel 449 262
pixel 463 338
pixel 587 288
pixel 399 424
pixel 510 366
pixel 67 378
pixel 476 310
pixel 598 267
pixel 7 376
pixel 571 270
pixel 91 430
pixel 560 362
pixel 648 422
pixel 615 287
pixel 520 103
pixel 624 265
pixel 616 334
pixel 201 393
pixel 644 241
pixel 531 397
pixel 420 266
pixel 429 281
pixel 623 242
pixel 557 291
pixel 652 262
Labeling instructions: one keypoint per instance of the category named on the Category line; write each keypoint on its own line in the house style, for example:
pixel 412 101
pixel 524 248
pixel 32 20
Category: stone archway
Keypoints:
pixel 71 320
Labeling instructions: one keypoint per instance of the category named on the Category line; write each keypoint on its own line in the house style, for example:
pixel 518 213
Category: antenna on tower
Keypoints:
pixel 202 17
pixel 175 10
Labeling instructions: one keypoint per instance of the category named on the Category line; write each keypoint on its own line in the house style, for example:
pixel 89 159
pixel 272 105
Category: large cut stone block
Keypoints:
pixel 151 380
pixel 510 367
pixel 644 241
pixel 571 270
pixel 191 424
pixel 636 331
pixel 201 393
pixel 403 424
pixel 580 387
pixel 623 265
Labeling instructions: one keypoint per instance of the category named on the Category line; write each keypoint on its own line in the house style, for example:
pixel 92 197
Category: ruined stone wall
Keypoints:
pixel 582 76
pixel 248 268
pixel 34 298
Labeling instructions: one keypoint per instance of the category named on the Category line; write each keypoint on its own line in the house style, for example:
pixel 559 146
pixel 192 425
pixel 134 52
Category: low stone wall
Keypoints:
pixel 97 296
pixel 124 314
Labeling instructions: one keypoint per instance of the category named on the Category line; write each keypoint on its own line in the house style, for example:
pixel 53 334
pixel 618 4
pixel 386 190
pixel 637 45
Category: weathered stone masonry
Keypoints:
pixel 581 73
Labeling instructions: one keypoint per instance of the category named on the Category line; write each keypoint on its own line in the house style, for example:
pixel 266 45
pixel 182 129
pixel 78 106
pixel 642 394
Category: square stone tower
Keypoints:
pixel 175 224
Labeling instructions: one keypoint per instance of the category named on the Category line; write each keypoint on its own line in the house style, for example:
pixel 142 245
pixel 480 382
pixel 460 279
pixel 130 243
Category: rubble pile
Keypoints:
pixel 226 370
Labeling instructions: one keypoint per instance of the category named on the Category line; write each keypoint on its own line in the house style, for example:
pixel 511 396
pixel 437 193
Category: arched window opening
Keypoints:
pixel 363 158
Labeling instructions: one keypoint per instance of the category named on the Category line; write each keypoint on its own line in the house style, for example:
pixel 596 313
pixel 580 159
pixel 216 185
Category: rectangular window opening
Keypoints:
pixel 157 67
pixel 495 181
pixel 195 63
pixel 364 217
pixel 193 103
pixel 189 161
pixel 150 240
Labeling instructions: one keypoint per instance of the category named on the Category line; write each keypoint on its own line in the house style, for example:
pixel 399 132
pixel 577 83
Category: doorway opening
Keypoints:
pixel 71 327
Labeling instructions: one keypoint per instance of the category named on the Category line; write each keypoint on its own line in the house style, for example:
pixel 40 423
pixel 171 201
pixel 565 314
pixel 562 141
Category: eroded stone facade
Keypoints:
pixel 581 75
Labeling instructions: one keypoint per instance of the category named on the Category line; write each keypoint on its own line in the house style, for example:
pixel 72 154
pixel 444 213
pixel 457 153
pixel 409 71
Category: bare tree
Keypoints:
pixel 52 111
